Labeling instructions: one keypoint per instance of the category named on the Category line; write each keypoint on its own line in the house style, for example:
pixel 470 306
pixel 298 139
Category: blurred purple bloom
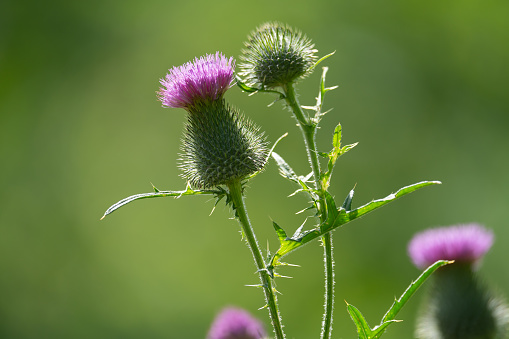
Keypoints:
pixel 205 79
pixel 462 243
pixel 235 323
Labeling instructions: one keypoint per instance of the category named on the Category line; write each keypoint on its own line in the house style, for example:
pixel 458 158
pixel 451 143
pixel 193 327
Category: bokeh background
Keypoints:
pixel 423 88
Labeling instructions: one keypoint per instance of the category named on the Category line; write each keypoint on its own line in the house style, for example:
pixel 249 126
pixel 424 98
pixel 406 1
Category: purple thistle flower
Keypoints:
pixel 462 243
pixel 235 323
pixel 205 79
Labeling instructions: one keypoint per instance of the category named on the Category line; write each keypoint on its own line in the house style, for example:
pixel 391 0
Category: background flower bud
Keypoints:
pixel 275 55
pixel 220 145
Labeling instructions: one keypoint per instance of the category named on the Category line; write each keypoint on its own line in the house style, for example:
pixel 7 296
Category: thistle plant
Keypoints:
pixel 222 150
pixel 459 304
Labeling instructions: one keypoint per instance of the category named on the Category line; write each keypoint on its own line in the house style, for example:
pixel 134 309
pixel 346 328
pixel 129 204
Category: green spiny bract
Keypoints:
pixel 276 55
pixel 220 146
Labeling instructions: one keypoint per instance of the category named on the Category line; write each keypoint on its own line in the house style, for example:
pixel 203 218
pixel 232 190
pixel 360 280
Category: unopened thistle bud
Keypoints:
pixel 276 55
pixel 459 305
pixel 220 145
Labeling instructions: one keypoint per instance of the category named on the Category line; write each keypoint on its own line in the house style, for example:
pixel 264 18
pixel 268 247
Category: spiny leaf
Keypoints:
pixel 347 204
pixel 339 217
pixel 268 157
pixel 409 292
pixel 322 59
pixel 363 329
pixel 284 169
pixel 254 90
pixel 157 194
pixel 371 206
pixel 336 138
pixel 346 148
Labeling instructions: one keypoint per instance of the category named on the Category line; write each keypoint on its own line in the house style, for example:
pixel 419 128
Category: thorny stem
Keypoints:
pixel 308 129
pixel 237 197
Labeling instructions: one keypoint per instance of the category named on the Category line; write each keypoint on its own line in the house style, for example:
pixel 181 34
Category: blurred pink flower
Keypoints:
pixel 235 323
pixel 462 243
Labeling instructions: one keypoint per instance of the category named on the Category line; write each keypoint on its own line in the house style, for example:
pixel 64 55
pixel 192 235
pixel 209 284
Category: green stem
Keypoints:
pixel 237 197
pixel 308 129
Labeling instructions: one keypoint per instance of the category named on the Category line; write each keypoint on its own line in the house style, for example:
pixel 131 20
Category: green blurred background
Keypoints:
pixel 423 86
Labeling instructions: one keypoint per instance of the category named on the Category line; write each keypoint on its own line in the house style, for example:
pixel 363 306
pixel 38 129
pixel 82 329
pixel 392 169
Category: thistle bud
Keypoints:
pixel 220 146
pixel 459 305
pixel 276 55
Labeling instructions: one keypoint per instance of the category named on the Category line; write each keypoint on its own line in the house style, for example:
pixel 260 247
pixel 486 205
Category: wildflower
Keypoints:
pixel 204 80
pixel 276 55
pixel 220 145
pixel 459 305
pixel 463 243
pixel 235 323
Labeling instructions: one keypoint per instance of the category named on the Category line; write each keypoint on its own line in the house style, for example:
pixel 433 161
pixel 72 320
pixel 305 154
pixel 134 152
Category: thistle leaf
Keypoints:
pixel 409 292
pixel 322 59
pixel 365 331
pixel 347 204
pixel 339 217
pixel 253 90
pixel 158 194
pixel 284 169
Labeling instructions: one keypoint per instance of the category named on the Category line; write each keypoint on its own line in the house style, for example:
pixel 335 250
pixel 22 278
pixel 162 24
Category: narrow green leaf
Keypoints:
pixel 346 148
pixel 331 212
pixel 339 217
pixel 245 87
pixel 157 194
pixel 254 90
pixel 363 210
pixel 347 204
pixel 363 329
pixel 322 59
pixel 268 156
pixel 409 292
pixel 336 138
pixel 281 234
pixel 284 169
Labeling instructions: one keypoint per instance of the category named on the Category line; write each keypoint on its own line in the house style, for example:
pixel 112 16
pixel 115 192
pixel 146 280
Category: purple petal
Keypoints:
pixel 205 79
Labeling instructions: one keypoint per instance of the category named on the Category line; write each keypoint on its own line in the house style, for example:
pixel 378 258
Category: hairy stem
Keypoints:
pixel 308 129
pixel 237 197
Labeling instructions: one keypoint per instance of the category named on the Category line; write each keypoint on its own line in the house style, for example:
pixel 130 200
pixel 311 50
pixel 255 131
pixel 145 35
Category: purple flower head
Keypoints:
pixel 235 323
pixel 462 243
pixel 205 79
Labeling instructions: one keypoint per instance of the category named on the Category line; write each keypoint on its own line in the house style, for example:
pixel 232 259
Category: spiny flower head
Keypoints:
pixel 462 243
pixel 276 55
pixel 220 146
pixel 203 80
pixel 235 323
